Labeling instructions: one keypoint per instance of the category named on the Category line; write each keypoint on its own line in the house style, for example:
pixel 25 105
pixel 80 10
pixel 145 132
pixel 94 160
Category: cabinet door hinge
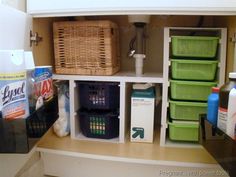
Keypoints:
pixel 233 38
pixel 34 38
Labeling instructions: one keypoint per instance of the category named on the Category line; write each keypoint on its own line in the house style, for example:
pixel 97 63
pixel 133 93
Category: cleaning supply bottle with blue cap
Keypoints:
pixel 212 106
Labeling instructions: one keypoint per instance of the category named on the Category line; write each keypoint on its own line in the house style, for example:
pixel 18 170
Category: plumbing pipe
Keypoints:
pixel 139 37
pixel 234 65
pixel 139 64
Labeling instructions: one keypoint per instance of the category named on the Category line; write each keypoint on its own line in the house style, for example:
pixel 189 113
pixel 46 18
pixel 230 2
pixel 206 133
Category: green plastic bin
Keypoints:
pixel 194 46
pixel 190 90
pixel 193 69
pixel 183 131
pixel 182 110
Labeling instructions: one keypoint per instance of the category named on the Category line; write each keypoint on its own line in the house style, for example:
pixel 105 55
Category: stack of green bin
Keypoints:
pixel 193 74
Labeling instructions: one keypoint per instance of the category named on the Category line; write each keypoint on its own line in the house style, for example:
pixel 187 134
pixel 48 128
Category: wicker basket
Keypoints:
pixel 86 47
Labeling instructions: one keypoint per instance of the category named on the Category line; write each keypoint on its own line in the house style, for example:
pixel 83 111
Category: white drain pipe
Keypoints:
pixel 139 64
pixel 139 22
pixel 234 65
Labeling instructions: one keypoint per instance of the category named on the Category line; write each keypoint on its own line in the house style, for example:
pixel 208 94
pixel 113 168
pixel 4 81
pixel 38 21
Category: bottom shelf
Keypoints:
pixel 145 153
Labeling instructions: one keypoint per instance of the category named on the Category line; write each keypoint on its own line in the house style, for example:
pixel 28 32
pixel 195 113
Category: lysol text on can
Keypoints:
pixel 43 86
pixel 13 92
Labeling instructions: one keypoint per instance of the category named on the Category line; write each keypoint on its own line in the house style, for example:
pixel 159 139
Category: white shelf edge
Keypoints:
pixel 119 77
pixel 179 144
pixel 123 7
pixel 195 28
pixel 81 137
pixel 40 14
pixel 127 160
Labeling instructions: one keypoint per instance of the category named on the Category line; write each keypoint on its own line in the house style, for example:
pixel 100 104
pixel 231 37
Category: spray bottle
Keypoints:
pixel 13 93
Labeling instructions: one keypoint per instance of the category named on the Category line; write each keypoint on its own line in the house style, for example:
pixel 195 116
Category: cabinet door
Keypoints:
pixel 15 29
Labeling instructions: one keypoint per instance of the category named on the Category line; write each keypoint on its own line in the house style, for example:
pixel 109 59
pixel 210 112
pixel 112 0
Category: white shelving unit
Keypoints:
pixel 125 79
pixel 168 32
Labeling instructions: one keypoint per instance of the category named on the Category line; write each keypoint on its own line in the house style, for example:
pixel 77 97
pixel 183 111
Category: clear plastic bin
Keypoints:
pixel 194 46
pixel 99 124
pixel 184 131
pixel 193 69
pixel 183 110
pixel 190 90
pixel 99 95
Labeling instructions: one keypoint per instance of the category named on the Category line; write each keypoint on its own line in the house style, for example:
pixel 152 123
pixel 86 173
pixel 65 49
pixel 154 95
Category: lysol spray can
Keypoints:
pixel 13 96
pixel 43 85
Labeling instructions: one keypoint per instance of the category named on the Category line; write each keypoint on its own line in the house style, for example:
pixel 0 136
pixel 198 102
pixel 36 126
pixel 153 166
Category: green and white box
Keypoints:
pixel 142 115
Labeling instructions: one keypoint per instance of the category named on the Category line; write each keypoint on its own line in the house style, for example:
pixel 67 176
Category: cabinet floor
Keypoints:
pixel 146 153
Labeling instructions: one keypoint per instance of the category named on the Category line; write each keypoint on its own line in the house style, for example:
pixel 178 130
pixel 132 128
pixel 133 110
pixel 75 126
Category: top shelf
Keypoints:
pixel 45 8
pixel 119 77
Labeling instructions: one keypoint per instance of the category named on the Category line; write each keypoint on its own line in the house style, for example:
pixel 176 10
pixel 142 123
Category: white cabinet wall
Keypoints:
pixel 18 4
pixel 15 27
pixel 123 7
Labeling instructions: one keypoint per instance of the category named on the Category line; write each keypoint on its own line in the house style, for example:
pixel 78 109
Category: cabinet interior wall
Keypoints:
pixel 43 53
pixel 230 23
pixel 154 62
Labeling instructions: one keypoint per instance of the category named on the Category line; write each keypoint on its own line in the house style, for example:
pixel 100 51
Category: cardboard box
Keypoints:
pixel 142 115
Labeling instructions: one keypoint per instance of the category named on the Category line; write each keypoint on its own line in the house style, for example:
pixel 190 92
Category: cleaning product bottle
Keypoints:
pixel 212 106
pixel 30 67
pixel 223 101
pixel 231 119
pixel 13 93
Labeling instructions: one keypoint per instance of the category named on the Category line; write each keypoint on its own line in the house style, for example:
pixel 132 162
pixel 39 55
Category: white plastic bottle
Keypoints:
pixel 231 119
pixel 224 100
pixel 13 93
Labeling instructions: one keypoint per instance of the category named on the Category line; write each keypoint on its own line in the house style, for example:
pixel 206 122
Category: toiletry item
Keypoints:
pixel 62 126
pixel 231 118
pixel 223 101
pixel 212 106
